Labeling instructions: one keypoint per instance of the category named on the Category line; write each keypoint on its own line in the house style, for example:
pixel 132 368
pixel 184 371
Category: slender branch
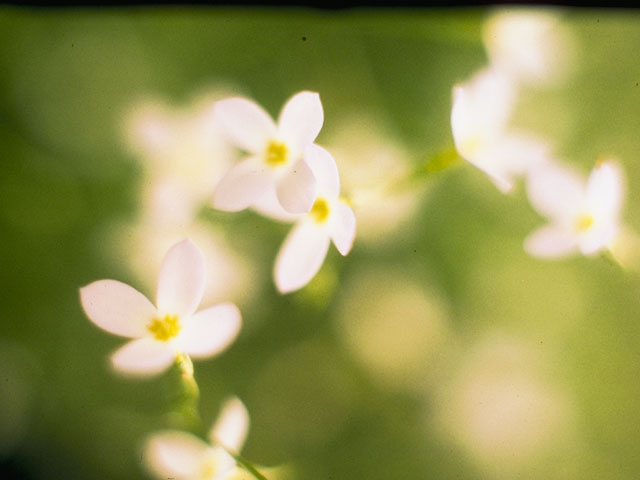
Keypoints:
pixel 186 402
pixel 244 463
pixel 444 160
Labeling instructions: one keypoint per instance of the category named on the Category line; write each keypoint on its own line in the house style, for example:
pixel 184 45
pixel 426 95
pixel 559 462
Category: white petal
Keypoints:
pixel 605 189
pixel 324 169
pixel 531 45
pixel 242 186
pixel 300 121
pixel 598 237
pixel 510 155
pixel 142 357
pixel 175 454
pixel 550 242
pixel 269 206
pixel 296 189
pixel 343 227
pixel 489 162
pixel 181 281
pixel 210 331
pixel 481 108
pixel 518 153
pixel 556 191
pixel 300 257
pixel 230 430
pixel 246 124
pixel 117 308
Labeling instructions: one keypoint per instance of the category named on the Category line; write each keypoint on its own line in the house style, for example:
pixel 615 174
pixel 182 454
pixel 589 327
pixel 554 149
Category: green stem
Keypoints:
pixel 186 401
pixel 244 463
pixel 444 160
pixel 608 257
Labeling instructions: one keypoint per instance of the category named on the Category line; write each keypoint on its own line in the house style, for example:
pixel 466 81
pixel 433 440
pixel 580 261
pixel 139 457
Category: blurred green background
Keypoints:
pixel 441 351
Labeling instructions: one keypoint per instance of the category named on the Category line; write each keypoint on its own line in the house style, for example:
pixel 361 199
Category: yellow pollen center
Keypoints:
pixel 165 328
pixel 277 153
pixel 584 222
pixel 320 210
pixel 208 469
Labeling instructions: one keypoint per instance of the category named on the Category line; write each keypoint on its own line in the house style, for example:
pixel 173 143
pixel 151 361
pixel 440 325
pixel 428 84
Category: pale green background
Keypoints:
pixel 67 76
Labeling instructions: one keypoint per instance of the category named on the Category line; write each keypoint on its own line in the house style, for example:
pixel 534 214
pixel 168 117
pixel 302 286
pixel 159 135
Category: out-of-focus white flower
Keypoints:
pixel 183 154
pixel 170 328
pixel 372 165
pixel 500 405
pixel 393 326
pixel 330 219
pixel 276 160
pixel 143 244
pixel 583 215
pixel 181 455
pixel 479 116
pixel 530 46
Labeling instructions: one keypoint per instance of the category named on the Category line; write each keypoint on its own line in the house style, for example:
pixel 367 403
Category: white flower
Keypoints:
pixel 144 243
pixel 172 327
pixel 330 219
pixel 181 455
pixel 528 45
pixel 183 155
pixel 372 165
pixel 479 116
pixel 276 160
pixel 584 216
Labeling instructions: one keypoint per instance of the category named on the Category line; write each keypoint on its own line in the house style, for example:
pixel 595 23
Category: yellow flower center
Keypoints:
pixel 210 466
pixel 320 210
pixel 208 469
pixel 584 222
pixel 165 328
pixel 277 153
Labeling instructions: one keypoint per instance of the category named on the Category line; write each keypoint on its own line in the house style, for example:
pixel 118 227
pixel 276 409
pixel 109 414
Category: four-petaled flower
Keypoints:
pixel 276 160
pixel 330 218
pixel 172 327
pixel 176 454
pixel 584 216
pixel 479 116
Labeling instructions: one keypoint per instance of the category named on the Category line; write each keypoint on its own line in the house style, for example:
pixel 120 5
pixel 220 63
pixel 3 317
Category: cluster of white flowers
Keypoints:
pixel 524 48
pixel 161 335
pixel 287 177
pixel 182 157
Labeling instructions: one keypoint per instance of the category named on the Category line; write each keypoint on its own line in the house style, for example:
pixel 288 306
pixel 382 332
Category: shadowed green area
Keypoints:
pixel 316 402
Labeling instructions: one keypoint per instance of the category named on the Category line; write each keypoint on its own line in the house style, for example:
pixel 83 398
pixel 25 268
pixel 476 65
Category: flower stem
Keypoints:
pixel 444 160
pixel 186 402
pixel 244 463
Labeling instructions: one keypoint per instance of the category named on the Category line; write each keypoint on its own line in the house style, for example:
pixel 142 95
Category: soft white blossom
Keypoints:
pixel 183 155
pixel 531 46
pixel 181 455
pixel 372 165
pixel 276 153
pixel 480 114
pixel 142 244
pixel 169 328
pixel 584 215
pixel 330 219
